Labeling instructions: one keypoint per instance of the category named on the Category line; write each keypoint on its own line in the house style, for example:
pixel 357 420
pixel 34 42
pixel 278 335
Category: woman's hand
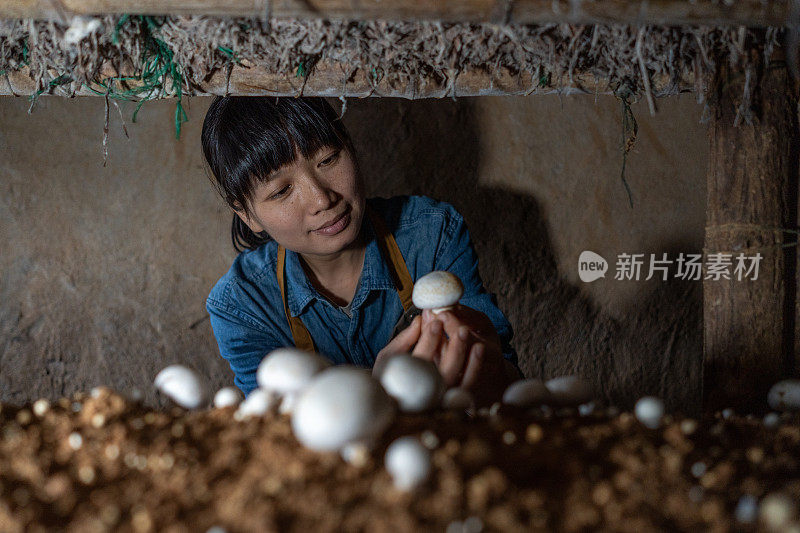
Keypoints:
pixel 463 344
pixel 471 356
pixel 416 339
pixel 402 343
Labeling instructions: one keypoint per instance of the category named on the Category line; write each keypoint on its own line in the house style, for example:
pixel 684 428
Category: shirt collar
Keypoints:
pixel 375 275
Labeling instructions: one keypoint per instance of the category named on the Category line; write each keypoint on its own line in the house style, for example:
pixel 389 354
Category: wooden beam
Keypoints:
pixel 751 196
pixel 328 78
pixel 663 12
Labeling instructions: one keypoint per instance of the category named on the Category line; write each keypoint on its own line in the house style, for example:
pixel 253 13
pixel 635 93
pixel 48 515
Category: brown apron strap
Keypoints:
pixel 388 246
pixel 389 249
pixel 302 338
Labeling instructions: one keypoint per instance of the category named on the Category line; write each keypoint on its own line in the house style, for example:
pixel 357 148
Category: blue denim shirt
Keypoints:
pixel 248 317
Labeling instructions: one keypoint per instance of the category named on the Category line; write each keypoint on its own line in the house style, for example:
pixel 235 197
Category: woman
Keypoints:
pixel 325 269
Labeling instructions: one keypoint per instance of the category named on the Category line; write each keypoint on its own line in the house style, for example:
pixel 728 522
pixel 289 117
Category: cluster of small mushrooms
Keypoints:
pixel 347 409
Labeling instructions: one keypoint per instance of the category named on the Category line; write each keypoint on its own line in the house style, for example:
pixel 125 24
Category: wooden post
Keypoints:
pixel 751 195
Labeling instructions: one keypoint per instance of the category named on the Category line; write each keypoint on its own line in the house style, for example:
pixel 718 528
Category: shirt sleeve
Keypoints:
pixel 457 255
pixel 242 342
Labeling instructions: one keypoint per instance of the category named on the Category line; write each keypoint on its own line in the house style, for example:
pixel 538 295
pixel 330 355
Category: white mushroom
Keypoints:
pixel 415 383
pixel 746 509
pixel 40 407
pixel 777 510
pixel 649 410
pixel 437 291
pixel 227 397
pixel 408 462
pixel 356 453
pixel 458 399
pixel 183 385
pixel 772 420
pixel 287 371
pixel 570 390
pixel 257 403
pixel 785 395
pixel 527 393
pixel 342 405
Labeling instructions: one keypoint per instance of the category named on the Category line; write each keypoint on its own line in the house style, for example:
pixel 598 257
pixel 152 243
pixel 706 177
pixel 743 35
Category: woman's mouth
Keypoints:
pixel 338 225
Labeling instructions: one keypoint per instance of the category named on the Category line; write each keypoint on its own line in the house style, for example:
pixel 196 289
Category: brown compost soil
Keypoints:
pixel 137 469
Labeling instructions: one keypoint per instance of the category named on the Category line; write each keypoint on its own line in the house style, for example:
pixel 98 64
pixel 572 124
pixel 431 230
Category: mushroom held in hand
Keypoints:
pixel 415 383
pixel 570 391
pixel 785 395
pixel 343 405
pixel 408 462
pixel 183 385
pixel 287 371
pixel 437 291
pixel 527 393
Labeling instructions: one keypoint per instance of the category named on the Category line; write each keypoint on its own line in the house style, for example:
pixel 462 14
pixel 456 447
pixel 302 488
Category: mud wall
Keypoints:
pixel 105 270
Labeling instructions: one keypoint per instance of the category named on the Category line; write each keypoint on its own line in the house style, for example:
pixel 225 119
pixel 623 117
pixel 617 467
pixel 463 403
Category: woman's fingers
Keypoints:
pixel 453 360
pixel 429 340
pixel 454 354
pixel 406 339
pixel 474 366
pixel 402 343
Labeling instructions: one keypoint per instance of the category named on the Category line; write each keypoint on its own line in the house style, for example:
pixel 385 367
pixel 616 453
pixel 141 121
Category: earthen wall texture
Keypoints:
pixel 105 270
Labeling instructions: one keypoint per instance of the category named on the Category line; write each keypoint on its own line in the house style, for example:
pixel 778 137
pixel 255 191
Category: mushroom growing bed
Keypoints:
pixel 100 462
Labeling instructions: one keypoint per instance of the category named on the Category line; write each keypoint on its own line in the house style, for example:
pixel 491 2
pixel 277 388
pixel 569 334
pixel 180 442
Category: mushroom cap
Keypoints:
pixel 777 510
pixel 437 289
pixel 408 462
pixel 257 403
pixel 570 390
pixel 287 403
pixel 227 397
pixel 415 383
pixel 458 399
pixel 289 370
pixel 527 393
pixel 342 405
pixel 649 411
pixel 772 420
pixel 183 386
pixel 785 395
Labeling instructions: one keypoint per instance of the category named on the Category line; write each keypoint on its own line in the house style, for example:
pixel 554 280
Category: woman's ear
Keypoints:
pixel 254 226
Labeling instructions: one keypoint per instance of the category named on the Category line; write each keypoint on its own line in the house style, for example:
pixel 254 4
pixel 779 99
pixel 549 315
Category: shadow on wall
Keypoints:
pixel 656 348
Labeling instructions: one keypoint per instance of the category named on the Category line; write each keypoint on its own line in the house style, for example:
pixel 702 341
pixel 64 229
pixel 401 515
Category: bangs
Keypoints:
pixel 247 138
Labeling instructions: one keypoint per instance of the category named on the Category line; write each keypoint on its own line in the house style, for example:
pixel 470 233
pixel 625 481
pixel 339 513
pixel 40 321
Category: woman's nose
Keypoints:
pixel 320 194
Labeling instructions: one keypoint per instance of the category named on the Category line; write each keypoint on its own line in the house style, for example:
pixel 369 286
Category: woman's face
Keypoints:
pixel 313 206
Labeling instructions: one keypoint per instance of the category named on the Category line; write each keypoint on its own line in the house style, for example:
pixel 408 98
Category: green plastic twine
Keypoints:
pixel 232 55
pixel 157 65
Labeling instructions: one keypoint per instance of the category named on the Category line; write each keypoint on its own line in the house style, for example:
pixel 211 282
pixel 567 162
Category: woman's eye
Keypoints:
pixel 280 192
pixel 331 158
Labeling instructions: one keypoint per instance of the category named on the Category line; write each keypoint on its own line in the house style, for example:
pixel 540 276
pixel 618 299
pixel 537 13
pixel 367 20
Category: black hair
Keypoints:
pixel 245 138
